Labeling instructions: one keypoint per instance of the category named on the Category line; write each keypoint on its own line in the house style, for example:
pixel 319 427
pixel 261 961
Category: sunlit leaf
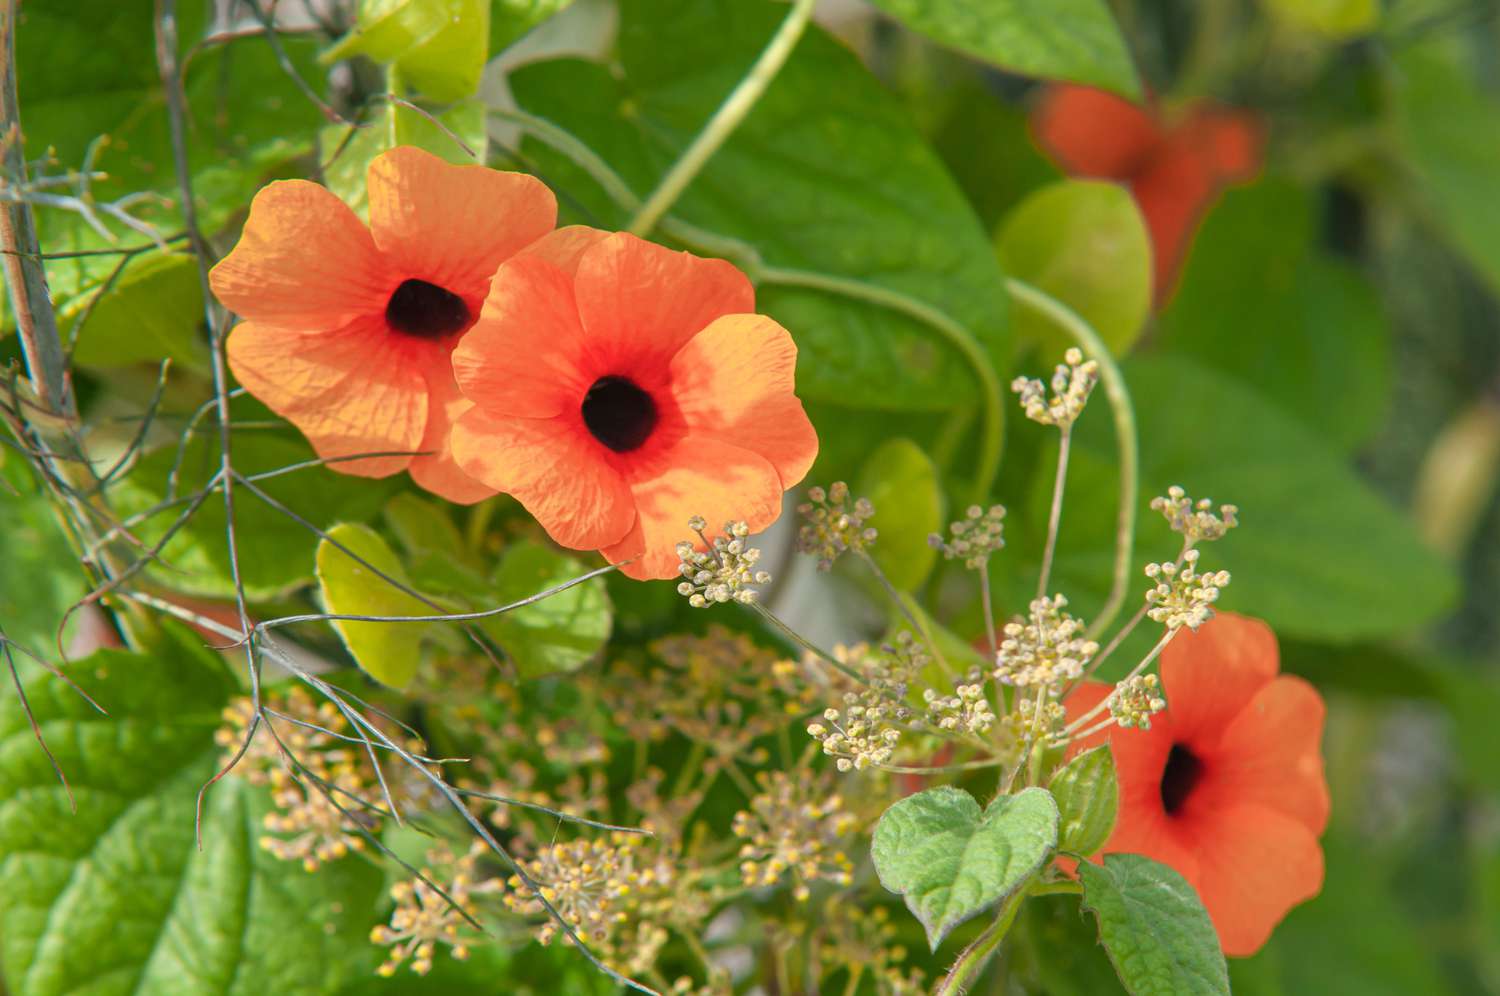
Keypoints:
pixel 438 47
pixel 557 633
pixel 387 651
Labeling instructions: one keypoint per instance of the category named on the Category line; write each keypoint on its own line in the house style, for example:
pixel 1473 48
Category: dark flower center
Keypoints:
pixel 1182 774
pixel 619 413
pixel 425 310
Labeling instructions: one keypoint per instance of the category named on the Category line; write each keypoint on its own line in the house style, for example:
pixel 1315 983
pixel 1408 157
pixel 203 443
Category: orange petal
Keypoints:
pixel 453 225
pixel 1254 865
pixel 357 390
pixel 1233 142
pixel 735 380
pixel 1093 133
pixel 1271 756
pixel 304 262
pixel 440 472
pixel 1211 675
pixel 640 302
pixel 1173 192
pixel 564 247
pixel 522 356
pixel 696 475
pixel 553 468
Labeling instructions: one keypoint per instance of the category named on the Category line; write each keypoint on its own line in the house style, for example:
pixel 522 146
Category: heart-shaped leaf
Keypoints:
pixel 951 861
pixel 1155 929
pixel 1088 799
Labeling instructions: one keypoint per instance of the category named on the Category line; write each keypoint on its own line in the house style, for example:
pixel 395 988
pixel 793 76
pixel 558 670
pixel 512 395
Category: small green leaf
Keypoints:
pixel 558 633
pixel 423 525
pixel 1085 243
pixel 901 481
pixel 1334 19
pixel 154 311
pixel 438 46
pixel 117 898
pixel 387 651
pixel 1073 40
pixel 1155 929
pixel 1088 799
pixel 950 861
pixel 512 20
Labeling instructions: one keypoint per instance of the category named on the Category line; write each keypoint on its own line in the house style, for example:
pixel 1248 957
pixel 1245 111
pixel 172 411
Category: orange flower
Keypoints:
pixel 349 328
pixel 1227 786
pixel 1175 169
pixel 621 388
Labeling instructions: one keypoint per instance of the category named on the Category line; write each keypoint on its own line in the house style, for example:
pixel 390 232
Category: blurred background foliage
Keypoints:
pixel 1318 344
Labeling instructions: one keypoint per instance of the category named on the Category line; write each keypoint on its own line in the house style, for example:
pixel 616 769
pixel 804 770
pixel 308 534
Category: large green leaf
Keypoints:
pixel 558 633
pixel 951 861
pixel 1085 243
pixel 118 899
pixel 825 174
pixel 1154 927
pixel 1073 40
pixel 1447 125
pixel 40 577
pixel 1304 329
pixel 154 311
pixel 387 651
pixel 1318 554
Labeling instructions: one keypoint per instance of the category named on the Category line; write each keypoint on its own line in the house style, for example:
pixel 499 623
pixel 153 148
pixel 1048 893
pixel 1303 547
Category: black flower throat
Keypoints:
pixel 425 310
pixel 619 413
pixel 1182 774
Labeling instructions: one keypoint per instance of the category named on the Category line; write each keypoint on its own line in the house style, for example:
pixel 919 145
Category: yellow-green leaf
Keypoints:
pixel 901 481
pixel 439 47
pixel 387 651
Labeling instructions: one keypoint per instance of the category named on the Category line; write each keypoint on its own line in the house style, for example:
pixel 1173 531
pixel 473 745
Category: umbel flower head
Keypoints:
pixel 1226 785
pixel 348 328
pixel 620 388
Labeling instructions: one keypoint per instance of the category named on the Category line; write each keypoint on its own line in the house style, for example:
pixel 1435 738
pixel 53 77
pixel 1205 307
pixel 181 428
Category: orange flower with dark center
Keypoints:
pixel 348 329
pixel 1227 786
pixel 620 388
pixel 1175 168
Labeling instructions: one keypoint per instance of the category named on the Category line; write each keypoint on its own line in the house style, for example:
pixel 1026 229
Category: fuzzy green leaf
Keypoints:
pixel 950 861
pixel 118 899
pixel 1073 40
pixel 387 651
pixel 1088 799
pixel 1154 927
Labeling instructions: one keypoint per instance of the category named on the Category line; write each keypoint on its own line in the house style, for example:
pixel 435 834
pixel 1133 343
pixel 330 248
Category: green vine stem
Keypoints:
pixel 726 119
pixel 957 336
pixel 972 959
pixel 1125 434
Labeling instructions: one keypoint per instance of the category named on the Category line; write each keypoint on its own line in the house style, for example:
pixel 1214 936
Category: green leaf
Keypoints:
pixel 1334 19
pixel 901 481
pixel 438 46
pixel 511 20
pixel 950 861
pixel 1318 554
pixel 117 898
pixel 40 577
pixel 559 633
pixel 387 651
pixel 1446 123
pixel 840 181
pixel 1085 243
pixel 154 311
pixel 1304 329
pixel 1073 40
pixel 1088 800
pixel 1157 933
pixel 423 525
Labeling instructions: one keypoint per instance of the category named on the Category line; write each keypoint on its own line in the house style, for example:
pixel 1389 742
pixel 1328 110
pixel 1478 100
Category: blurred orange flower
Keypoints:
pixel 1227 785
pixel 1175 168
pixel 621 388
pixel 348 329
